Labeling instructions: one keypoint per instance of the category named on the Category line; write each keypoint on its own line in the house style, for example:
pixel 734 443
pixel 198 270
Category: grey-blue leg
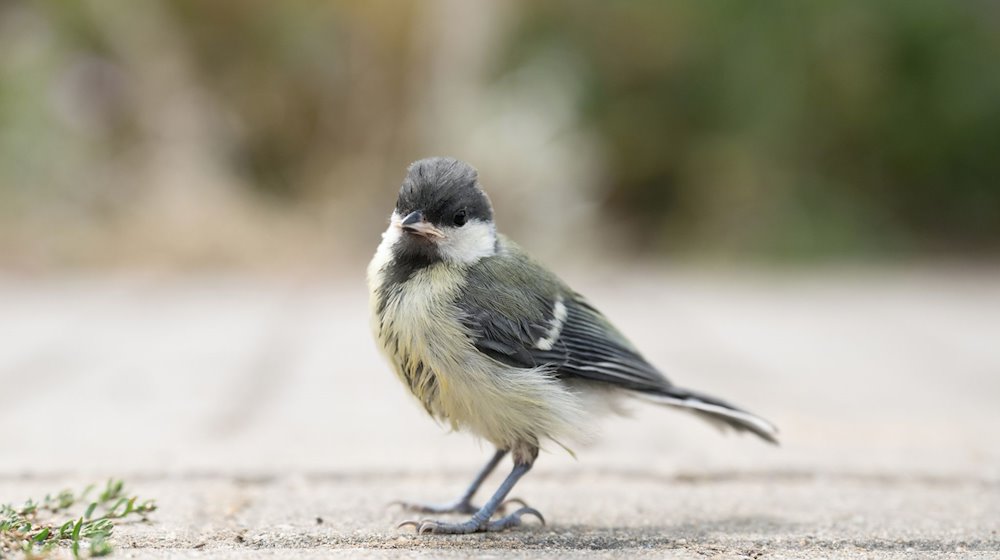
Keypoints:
pixel 464 503
pixel 480 521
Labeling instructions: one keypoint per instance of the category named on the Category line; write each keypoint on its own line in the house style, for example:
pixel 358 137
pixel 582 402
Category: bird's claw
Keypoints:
pixel 430 526
pixel 515 518
pixel 503 506
pixel 422 527
pixel 413 522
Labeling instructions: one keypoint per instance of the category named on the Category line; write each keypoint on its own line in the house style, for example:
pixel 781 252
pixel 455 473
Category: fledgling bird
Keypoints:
pixel 491 342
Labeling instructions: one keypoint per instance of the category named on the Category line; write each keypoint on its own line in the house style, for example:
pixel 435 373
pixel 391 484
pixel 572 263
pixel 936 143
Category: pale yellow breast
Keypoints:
pixel 421 333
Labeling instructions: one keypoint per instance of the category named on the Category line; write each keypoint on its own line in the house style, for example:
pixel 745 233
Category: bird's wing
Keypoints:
pixel 520 314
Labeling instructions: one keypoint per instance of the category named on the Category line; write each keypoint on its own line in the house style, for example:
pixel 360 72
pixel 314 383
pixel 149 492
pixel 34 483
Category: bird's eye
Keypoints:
pixel 460 218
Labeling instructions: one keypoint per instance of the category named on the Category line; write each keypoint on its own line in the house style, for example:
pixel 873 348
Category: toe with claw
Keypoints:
pixel 431 526
pixel 514 519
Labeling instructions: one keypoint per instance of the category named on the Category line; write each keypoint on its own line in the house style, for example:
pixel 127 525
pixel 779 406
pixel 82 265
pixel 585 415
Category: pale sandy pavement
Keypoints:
pixel 253 408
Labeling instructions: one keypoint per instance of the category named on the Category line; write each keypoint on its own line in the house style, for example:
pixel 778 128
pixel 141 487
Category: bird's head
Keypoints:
pixel 442 214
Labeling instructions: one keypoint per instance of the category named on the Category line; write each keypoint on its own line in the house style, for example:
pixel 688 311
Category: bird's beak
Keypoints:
pixel 415 223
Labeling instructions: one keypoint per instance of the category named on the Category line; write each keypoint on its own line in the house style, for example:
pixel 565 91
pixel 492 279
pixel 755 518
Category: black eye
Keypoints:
pixel 460 218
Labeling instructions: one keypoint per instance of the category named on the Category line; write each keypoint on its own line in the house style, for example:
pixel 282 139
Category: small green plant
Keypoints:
pixel 38 528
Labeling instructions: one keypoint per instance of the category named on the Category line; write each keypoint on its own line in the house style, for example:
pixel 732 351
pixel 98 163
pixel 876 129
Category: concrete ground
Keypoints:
pixel 260 417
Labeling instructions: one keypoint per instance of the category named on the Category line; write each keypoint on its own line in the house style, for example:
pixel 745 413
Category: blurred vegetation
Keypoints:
pixel 791 129
pixel 794 126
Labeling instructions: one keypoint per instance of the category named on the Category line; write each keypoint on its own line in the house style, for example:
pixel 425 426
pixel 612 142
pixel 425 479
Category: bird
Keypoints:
pixel 491 342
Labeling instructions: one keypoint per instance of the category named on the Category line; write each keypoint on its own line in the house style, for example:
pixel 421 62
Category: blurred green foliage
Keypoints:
pixel 292 78
pixel 791 127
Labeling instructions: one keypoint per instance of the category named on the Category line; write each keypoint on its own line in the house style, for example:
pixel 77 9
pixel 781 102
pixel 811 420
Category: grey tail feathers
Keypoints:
pixel 716 411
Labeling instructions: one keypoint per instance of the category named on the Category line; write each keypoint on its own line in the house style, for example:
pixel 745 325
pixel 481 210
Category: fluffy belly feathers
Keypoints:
pixel 418 328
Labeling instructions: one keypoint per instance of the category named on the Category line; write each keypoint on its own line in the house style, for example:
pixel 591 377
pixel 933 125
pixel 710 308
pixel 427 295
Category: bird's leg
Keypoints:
pixel 464 503
pixel 480 521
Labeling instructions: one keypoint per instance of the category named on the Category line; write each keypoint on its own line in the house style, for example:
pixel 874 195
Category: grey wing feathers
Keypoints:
pixel 591 348
pixel 501 338
pixel 519 314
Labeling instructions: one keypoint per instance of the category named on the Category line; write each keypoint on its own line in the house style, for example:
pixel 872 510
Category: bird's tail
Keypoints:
pixel 716 411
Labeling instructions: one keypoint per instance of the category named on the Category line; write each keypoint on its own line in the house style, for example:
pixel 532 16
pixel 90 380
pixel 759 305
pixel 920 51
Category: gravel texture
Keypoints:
pixel 260 417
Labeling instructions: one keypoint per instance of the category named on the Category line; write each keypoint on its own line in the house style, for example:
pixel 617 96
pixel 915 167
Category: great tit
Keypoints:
pixel 490 341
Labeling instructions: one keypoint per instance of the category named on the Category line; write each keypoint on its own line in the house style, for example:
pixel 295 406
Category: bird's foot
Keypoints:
pixel 430 526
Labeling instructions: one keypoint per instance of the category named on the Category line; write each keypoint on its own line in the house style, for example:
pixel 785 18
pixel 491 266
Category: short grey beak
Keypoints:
pixel 414 223
pixel 412 218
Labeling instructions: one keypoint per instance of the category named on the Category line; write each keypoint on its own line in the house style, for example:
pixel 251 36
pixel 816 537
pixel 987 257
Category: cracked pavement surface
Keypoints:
pixel 260 417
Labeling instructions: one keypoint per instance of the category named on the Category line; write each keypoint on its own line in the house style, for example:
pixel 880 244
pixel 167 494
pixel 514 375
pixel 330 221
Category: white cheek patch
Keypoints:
pixel 559 313
pixel 389 238
pixel 395 229
pixel 469 243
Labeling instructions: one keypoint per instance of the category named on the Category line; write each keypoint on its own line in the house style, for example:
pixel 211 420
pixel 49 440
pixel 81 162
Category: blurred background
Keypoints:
pixel 796 205
pixel 275 134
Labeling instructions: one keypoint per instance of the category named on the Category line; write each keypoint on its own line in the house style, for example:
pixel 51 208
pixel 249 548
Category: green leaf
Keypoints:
pixel 66 499
pixel 41 536
pixel 29 508
pixel 75 547
pixel 112 490
pixel 113 511
pixel 98 528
